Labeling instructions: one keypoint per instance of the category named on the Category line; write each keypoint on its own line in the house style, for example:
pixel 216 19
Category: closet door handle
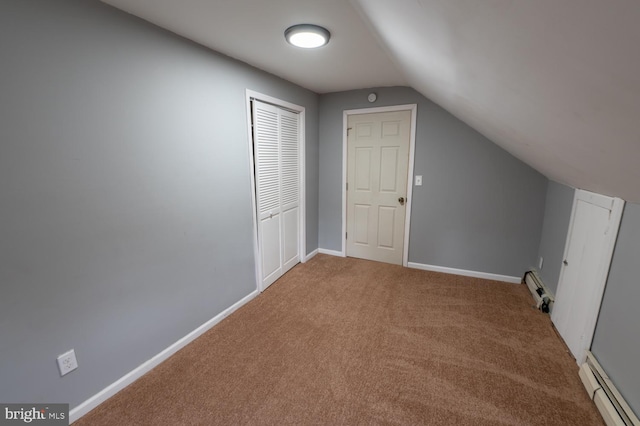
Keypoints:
pixel 401 201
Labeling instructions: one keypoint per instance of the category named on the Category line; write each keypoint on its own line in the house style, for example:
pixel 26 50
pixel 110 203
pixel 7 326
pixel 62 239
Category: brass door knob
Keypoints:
pixel 401 201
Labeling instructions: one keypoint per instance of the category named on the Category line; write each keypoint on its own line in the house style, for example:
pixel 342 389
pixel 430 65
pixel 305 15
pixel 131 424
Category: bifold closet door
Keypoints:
pixel 277 169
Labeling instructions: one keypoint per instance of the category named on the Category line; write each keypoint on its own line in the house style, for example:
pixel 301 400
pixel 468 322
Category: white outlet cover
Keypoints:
pixel 67 362
pixel 419 180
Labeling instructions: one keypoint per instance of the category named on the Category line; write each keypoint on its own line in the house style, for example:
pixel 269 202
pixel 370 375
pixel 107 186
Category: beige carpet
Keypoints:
pixel 346 341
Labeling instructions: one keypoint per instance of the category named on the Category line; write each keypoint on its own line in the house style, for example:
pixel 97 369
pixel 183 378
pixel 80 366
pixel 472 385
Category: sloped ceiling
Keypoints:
pixel 556 83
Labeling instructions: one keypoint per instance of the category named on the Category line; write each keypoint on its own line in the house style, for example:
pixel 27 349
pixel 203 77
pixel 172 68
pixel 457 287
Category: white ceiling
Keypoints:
pixel 253 32
pixel 556 83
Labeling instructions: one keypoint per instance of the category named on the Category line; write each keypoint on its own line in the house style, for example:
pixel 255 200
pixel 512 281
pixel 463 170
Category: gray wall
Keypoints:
pixel 479 208
pixel 557 215
pixel 616 343
pixel 125 199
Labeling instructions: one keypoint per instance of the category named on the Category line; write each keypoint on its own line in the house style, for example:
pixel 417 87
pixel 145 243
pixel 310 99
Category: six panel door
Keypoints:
pixel 377 169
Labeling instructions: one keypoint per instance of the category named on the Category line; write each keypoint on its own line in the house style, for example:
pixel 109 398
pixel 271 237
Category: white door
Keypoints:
pixel 377 169
pixel 277 176
pixel 592 235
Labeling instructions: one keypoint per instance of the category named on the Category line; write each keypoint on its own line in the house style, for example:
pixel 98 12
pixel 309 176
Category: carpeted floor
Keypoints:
pixel 346 341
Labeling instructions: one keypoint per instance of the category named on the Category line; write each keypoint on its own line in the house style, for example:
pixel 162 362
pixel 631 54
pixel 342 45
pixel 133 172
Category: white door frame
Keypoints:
pixel 302 234
pixel 617 207
pixel 412 145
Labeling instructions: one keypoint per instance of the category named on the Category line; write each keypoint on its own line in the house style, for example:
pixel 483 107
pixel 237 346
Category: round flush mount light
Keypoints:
pixel 307 36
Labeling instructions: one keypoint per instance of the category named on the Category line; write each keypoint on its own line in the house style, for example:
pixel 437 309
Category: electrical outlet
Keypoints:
pixel 67 362
pixel 419 180
pixel 540 263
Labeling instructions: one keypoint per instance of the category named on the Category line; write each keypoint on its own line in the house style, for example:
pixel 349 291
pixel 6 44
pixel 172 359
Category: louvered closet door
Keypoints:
pixel 290 189
pixel 276 153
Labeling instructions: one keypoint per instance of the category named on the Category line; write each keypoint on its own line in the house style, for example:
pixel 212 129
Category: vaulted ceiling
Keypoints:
pixel 555 83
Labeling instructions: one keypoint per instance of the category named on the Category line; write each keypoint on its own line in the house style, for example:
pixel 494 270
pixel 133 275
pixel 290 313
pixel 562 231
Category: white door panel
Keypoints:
pixel 363 169
pixel 361 225
pixel 377 171
pixel 291 226
pixel 389 169
pixel 386 221
pixel 270 239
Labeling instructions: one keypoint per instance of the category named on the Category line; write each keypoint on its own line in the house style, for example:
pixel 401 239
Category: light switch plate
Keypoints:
pixel 419 180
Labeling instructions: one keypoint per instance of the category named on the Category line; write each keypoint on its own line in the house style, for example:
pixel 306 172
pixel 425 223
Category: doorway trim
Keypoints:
pixel 251 95
pixel 604 264
pixel 412 145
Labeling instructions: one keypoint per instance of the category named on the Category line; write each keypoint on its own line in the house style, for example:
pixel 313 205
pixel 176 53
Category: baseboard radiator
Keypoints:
pixel 614 409
pixel 540 293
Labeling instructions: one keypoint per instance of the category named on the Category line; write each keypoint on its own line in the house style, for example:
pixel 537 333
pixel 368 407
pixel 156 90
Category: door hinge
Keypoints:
pixel 347 186
pixel 346 235
pixel 348 129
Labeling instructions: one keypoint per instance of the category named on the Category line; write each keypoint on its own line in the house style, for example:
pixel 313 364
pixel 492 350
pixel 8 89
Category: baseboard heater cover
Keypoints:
pixel 541 294
pixel 614 409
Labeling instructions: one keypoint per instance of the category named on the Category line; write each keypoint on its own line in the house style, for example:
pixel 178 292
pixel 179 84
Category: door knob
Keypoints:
pixel 565 262
pixel 401 201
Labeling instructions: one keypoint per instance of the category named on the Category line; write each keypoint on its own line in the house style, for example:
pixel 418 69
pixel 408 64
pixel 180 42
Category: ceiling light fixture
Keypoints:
pixel 307 36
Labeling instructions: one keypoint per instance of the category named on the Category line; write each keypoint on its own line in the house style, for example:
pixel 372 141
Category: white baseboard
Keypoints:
pixel 310 256
pixel 465 273
pixel 331 252
pixel 132 376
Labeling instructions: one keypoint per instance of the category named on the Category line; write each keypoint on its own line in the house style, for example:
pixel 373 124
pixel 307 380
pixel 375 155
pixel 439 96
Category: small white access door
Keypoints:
pixel 277 176
pixel 377 170
pixel 592 235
